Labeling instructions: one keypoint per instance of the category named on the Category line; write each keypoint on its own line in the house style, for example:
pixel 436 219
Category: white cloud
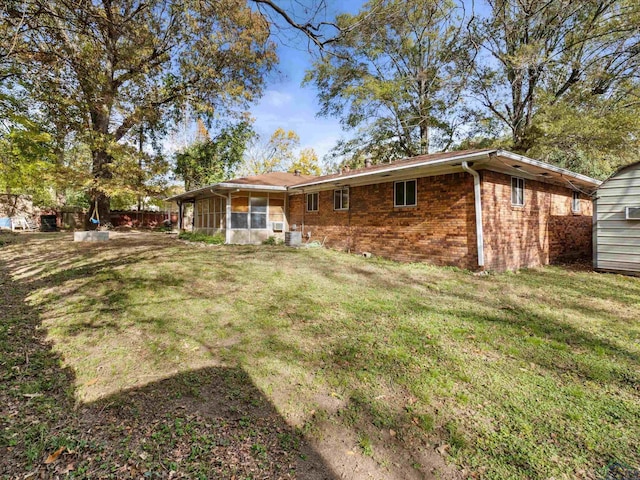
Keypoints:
pixel 276 99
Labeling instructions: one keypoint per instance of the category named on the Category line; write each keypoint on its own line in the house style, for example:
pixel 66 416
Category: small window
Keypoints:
pixel 517 191
pixel 341 199
pixel 632 213
pixel 312 202
pixel 405 194
pixel 575 202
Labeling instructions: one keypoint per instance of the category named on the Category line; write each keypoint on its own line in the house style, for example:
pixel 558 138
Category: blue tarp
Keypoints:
pixel 5 222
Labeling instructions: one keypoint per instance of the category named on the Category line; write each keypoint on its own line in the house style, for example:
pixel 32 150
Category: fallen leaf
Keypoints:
pixel 442 449
pixel 69 468
pixel 32 395
pixel 93 381
pixel 350 452
pixel 392 433
pixel 54 456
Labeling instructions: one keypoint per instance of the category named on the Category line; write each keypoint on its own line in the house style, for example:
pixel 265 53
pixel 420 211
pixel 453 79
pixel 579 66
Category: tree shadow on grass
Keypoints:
pixel 207 423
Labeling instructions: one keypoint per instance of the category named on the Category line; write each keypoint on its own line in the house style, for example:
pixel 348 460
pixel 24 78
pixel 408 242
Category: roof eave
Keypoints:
pixel 226 186
pixel 396 168
pixel 548 166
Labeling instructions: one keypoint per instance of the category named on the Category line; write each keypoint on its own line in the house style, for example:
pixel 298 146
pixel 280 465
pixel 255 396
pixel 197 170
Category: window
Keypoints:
pixel 341 199
pixel 575 202
pixel 632 213
pixel 258 212
pixel 517 191
pixel 249 212
pixel 240 212
pixel 405 194
pixel 312 202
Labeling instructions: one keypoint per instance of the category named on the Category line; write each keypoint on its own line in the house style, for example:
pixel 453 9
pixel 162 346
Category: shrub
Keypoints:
pixel 270 241
pixel 216 239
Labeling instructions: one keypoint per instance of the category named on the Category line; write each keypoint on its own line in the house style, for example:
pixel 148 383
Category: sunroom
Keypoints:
pixel 245 210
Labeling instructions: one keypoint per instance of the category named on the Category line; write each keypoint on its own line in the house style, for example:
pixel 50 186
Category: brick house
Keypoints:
pixel 475 209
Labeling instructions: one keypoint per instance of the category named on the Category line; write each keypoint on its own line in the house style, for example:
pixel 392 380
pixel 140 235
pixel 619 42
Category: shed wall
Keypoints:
pixel 616 239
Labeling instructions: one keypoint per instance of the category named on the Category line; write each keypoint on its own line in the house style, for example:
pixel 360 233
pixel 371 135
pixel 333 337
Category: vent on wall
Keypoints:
pixel 277 226
pixel 632 213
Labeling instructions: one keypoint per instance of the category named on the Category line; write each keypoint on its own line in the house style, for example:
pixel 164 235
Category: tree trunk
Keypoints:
pixel 99 199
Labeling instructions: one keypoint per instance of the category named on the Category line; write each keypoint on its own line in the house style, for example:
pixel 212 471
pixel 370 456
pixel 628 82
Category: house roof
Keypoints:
pixel 451 162
pixel 405 162
pixel 274 181
pixel 421 165
pixel 282 179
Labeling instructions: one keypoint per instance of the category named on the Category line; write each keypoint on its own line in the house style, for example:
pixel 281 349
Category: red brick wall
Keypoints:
pixel 439 230
pixel 543 231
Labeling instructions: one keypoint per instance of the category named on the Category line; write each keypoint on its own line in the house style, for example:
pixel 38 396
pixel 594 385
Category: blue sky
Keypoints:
pixel 286 103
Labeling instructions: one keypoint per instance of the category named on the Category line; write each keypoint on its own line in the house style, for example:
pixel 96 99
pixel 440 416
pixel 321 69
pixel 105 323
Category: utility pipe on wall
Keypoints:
pixel 477 191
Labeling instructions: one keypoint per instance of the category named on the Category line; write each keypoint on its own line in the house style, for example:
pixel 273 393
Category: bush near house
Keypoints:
pixel 202 237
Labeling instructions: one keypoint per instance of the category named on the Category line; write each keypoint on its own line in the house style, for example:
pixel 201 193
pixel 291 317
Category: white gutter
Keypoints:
pixel 395 168
pixel 477 191
pixel 241 186
pixel 547 166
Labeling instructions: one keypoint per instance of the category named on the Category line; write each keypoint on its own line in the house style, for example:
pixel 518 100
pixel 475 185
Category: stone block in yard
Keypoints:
pixel 90 236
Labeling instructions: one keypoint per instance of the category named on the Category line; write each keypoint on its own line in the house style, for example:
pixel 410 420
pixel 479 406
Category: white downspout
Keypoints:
pixel 478 204
pixel 227 223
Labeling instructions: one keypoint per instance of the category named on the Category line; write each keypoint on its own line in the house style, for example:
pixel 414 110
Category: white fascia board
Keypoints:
pixel 547 166
pixel 226 186
pixel 394 168
pixel 244 186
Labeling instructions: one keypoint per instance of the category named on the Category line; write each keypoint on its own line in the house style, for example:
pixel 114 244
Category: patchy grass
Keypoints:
pixel 519 375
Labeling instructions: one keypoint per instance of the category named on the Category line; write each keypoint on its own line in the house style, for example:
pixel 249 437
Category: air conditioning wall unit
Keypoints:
pixel 632 213
pixel 277 226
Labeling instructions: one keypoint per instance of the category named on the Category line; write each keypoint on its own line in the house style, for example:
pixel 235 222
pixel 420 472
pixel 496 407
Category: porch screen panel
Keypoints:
pixel 259 212
pixel 211 222
pixel 276 209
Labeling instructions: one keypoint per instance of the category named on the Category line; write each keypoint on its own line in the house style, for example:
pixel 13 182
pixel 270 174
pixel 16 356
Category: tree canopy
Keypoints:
pixel 104 68
pixel 280 153
pixel 396 79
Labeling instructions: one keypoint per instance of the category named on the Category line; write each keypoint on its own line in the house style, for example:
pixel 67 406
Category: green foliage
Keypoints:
pixel 217 239
pixel 26 160
pixel 101 70
pixel 560 78
pixel 272 241
pixel 213 160
pixel 398 86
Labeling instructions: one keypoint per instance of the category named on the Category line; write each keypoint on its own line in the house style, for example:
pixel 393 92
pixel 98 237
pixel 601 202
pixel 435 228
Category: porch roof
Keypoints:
pixel 268 182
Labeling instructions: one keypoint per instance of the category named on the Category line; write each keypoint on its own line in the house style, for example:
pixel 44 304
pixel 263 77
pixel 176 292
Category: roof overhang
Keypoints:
pixel 495 160
pixel 223 188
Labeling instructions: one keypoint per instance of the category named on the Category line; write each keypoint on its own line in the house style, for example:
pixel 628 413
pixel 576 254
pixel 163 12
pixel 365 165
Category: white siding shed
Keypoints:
pixel 616 222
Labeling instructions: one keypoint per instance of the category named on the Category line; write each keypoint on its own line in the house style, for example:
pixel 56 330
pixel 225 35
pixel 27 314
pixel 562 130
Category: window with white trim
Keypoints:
pixel 341 199
pixel 312 202
pixel 575 202
pixel 405 193
pixel 517 191
pixel 632 213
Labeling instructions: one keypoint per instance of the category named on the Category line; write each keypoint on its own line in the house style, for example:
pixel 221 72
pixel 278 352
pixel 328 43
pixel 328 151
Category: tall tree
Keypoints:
pixel 279 154
pixel 395 77
pixel 212 160
pixel 535 54
pixel 112 65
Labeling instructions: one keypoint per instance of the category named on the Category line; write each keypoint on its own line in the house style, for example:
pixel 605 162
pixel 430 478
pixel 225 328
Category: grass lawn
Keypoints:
pixel 146 354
